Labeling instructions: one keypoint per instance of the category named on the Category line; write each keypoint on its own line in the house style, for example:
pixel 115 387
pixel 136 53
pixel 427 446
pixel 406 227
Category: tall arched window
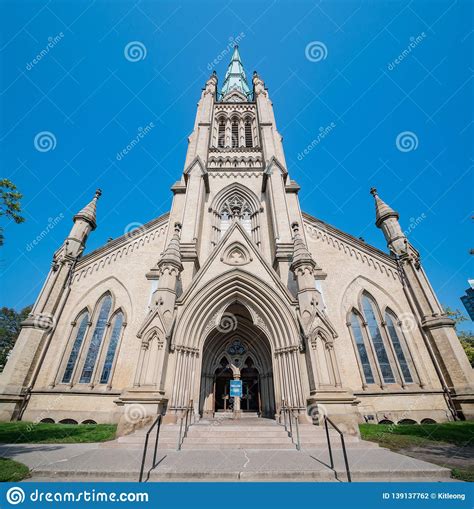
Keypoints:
pixel 361 349
pixel 114 339
pixel 248 134
pixel 96 341
pixel 399 345
pixel 235 134
pixel 83 321
pixel 221 134
pixel 375 334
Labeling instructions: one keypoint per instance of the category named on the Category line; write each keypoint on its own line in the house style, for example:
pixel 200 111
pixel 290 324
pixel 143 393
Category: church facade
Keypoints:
pixel 237 283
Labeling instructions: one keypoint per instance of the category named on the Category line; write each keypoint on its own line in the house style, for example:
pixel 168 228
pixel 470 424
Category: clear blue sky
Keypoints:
pixel 94 100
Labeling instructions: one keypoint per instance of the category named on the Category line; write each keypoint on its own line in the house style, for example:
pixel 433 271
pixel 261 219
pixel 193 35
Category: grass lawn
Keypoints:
pixel 405 436
pixel 42 433
pixel 12 471
pixel 400 436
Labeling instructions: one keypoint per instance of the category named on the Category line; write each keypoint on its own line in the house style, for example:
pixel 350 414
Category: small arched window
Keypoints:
pixel 235 134
pixel 114 339
pixel 361 348
pixel 375 334
pixel 82 320
pixel 221 134
pixel 96 341
pixel 248 134
pixel 398 342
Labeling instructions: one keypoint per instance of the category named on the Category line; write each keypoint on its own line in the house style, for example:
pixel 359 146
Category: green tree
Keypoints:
pixel 465 337
pixel 10 325
pixel 10 206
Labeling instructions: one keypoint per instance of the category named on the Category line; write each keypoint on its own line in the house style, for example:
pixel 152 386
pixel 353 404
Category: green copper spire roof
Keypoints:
pixel 235 78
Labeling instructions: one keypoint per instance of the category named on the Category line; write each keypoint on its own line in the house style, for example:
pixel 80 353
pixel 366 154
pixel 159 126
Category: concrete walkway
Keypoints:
pixel 76 462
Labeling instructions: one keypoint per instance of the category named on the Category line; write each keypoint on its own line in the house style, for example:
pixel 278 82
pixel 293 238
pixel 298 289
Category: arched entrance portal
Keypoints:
pixel 237 350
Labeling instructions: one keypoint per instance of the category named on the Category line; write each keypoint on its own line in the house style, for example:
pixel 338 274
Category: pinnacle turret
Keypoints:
pixel 382 210
pixel 301 254
pixel 89 212
pixel 172 253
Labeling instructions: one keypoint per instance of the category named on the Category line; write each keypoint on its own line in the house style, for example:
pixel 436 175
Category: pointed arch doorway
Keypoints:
pixel 237 350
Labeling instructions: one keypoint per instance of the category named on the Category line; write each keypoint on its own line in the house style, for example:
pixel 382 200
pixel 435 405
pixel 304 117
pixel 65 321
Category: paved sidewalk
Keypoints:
pixel 76 462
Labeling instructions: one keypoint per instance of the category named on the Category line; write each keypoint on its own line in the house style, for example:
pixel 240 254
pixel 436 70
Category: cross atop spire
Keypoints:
pixel 235 78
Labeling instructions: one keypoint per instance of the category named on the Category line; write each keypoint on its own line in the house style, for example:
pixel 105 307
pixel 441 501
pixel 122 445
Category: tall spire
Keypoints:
pixel 382 210
pixel 88 213
pixel 235 78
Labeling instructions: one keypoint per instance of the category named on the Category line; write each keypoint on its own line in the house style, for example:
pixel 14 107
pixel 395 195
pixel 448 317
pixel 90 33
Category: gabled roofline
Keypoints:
pixel 122 240
pixel 351 239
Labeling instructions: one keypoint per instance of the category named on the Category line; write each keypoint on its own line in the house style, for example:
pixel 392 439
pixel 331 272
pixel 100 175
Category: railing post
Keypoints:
pixel 346 461
pixel 329 442
pixel 180 431
pixel 143 458
pixel 298 445
pixel 156 440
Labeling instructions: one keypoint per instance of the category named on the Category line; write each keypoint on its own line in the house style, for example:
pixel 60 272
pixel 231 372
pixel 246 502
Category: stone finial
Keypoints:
pixel 89 212
pixel 301 254
pixel 172 253
pixel 382 210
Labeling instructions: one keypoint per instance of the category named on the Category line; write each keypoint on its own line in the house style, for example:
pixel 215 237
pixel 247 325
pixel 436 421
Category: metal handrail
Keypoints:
pixel 186 417
pixel 331 459
pixel 288 411
pixel 157 422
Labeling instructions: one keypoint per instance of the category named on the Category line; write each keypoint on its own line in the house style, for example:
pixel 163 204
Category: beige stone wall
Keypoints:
pixel 120 268
pixel 351 267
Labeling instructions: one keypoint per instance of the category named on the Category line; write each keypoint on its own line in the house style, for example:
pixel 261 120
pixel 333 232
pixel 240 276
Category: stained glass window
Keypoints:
pixel 395 337
pixel 377 340
pixel 109 358
pixel 81 331
pixel 363 356
pixel 96 340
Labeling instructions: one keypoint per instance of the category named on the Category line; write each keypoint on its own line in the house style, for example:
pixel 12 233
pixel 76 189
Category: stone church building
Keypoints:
pixel 237 283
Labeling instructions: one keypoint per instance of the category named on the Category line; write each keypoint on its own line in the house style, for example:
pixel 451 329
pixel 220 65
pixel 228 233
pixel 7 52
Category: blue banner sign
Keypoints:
pixel 184 495
pixel 236 388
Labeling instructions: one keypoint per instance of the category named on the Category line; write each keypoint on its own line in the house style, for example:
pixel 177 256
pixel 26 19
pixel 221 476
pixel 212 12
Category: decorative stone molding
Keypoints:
pixel 99 259
pixel 236 254
pixel 235 174
pixel 387 267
